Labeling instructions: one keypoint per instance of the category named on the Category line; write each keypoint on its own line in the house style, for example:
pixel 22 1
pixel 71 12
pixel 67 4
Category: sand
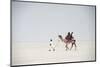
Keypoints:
pixel 37 53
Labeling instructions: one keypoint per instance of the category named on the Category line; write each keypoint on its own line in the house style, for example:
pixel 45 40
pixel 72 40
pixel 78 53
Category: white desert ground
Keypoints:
pixel 37 53
pixel 32 22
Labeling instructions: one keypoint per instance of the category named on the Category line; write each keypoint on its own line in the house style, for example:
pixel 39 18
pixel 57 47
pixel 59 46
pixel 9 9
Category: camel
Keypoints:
pixel 67 42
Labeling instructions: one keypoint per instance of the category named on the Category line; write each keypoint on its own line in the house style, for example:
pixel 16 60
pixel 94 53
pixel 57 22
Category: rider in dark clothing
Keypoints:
pixel 69 36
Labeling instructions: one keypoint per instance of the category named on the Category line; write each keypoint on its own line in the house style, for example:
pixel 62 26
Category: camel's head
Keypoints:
pixel 60 37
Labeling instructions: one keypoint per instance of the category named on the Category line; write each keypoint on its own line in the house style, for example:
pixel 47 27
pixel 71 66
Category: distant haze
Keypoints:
pixel 38 22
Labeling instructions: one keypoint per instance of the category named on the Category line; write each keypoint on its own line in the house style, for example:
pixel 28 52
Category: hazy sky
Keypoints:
pixel 38 22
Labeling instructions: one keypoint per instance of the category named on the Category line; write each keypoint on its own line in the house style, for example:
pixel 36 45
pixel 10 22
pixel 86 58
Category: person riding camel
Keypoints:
pixel 69 36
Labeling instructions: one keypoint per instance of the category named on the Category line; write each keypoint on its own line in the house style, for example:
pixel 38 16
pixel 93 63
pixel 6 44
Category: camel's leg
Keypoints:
pixel 75 46
pixel 66 47
pixel 72 46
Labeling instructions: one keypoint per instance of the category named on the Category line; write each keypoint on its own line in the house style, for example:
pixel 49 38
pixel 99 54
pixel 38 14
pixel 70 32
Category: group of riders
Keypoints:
pixel 69 36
